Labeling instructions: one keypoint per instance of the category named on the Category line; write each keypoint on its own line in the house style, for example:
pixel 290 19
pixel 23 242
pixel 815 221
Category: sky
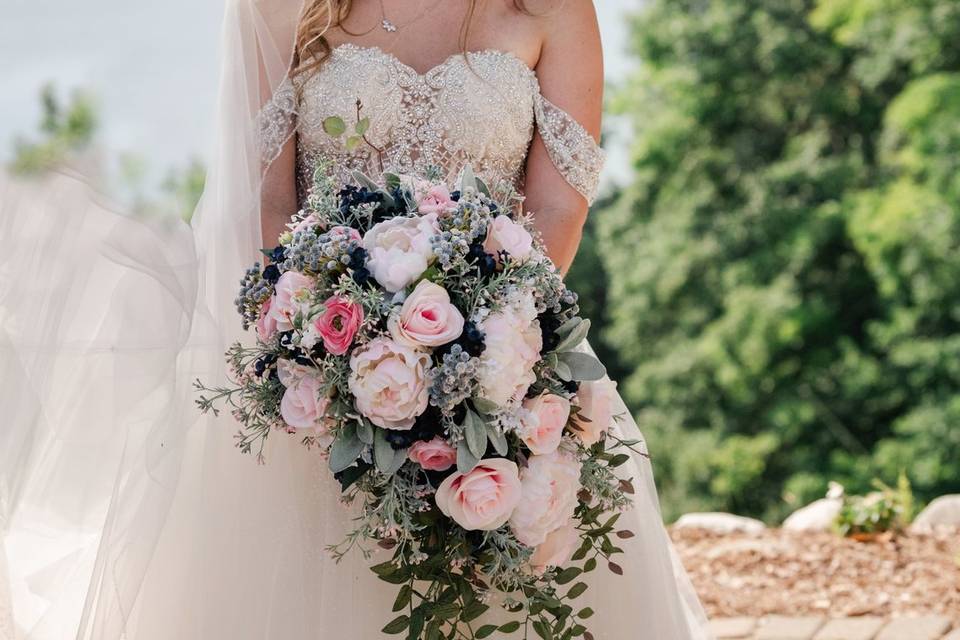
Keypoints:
pixel 152 67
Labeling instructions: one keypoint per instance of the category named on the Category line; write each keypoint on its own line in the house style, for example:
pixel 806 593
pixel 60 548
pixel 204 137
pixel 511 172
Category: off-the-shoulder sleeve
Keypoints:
pixel 572 149
pixel 277 121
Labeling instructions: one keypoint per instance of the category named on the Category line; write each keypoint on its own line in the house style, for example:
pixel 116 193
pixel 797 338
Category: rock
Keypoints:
pixel 719 523
pixel 816 516
pixel 943 511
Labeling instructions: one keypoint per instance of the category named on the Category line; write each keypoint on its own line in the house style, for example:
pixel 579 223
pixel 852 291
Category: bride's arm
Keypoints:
pixel 570 71
pixel 278 195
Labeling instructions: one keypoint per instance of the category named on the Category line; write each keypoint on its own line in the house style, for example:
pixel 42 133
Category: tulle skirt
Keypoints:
pixel 124 514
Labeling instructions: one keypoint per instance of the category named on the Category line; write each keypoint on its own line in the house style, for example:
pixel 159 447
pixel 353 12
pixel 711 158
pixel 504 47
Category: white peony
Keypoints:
pixel 399 250
pixel 548 496
pixel 513 343
pixel 389 383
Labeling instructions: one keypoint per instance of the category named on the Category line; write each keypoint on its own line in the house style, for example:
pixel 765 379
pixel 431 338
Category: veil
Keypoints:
pixel 105 321
pixel 107 470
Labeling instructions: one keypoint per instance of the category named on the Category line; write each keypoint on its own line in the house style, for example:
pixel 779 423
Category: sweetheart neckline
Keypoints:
pixel 443 64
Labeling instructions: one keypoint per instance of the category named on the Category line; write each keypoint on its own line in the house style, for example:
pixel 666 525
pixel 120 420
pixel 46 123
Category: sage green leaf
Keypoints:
pixel 353 142
pixel 465 459
pixel 387 459
pixel 583 366
pixel 510 627
pixel 346 449
pixel 334 126
pixel 483 188
pixel 485 631
pixel 577 590
pixel 476 433
pixel 397 625
pixel 499 440
pixel 365 431
pixel 563 371
pixel 577 335
pixel 485 406
pixel 362 126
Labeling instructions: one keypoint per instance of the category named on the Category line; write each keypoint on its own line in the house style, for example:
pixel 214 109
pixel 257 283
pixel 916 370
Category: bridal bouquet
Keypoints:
pixel 422 341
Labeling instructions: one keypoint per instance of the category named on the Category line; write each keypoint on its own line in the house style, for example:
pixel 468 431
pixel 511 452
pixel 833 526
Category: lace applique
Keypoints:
pixel 277 121
pixel 574 152
pixel 480 109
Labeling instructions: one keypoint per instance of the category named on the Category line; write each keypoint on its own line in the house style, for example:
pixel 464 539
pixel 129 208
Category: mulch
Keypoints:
pixel 817 573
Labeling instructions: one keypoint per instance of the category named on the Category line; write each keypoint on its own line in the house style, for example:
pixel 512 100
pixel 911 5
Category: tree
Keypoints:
pixel 783 267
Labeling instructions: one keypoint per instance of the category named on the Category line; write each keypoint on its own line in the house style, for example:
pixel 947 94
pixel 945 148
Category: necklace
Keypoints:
pixel 390 26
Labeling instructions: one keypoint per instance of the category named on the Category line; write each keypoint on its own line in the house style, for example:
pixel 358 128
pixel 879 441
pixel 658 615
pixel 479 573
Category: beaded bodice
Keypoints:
pixel 481 109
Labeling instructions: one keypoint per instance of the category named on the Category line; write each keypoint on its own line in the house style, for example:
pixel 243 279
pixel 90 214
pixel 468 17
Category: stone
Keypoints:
pixel 719 523
pixel 787 628
pixel 863 628
pixel 729 628
pixel 917 628
pixel 816 516
pixel 943 511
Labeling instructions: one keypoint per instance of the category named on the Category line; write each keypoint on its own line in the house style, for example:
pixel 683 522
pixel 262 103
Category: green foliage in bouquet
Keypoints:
pixel 784 267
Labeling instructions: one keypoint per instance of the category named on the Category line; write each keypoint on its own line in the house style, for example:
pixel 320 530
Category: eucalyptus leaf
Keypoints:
pixel 583 366
pixel 365 431
pixel 334 126
pixel 362 126
pixel 476 434
pixel 483 188
pixel 499 440
pixel 577 335
pixel 465 460
pixel 346 449
pixel 353 142
pixel 467 178
pixel 387 459
pixel 485 406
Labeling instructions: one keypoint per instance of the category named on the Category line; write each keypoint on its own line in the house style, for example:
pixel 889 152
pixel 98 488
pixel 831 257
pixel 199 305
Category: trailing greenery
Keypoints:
pixel 784 268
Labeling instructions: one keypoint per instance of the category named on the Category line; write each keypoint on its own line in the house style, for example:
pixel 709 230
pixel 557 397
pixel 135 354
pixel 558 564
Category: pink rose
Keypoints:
pixel 389 383
pixel 542 427
pixel 436 200
pixel 550 484
pixel 503 234
pixel 338 324
pixel 433 455
pixel 513 343
pixel 427 318
pixel 266 325
pixel 483 498
pixel 399 250
pixel 301 406
pixel 595 400
pixel 556 550
pixel 291 297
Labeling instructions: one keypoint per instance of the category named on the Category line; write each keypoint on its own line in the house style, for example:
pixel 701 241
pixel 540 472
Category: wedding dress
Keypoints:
pixel 124 514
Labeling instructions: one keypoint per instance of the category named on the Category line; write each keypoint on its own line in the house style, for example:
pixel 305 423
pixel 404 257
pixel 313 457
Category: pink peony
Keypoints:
pixel 266 324
pixel 595 400
pixel 513 342
pixel 427 318
pixel 556 550
pixel 338 324
pixel 292 292
pixel 301 406
pixel 548 498
pixel 504 234
pixel 399 250
pixel 433 455
pixel 483 498
pixel 436 200
pixel 542 426
pixel 389 383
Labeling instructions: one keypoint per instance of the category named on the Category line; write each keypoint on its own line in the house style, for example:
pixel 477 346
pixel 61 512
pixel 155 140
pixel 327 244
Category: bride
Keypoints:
pixel 126 515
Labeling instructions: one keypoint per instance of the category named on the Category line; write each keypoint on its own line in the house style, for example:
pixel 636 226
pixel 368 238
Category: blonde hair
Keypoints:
pixel 312 47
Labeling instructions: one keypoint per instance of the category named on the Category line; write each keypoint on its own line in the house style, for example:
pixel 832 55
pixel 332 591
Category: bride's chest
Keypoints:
pixel 478 109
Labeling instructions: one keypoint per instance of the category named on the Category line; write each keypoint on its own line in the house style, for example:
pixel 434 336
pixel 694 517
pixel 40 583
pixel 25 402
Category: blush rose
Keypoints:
pixel 399 250
pixel 433 455
pixel 301 406
pixel 292 289
pixel 504 234
pixel 482 499
pixel 542 425
pixel 427 318
pixel 595 400
pixel 389 383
